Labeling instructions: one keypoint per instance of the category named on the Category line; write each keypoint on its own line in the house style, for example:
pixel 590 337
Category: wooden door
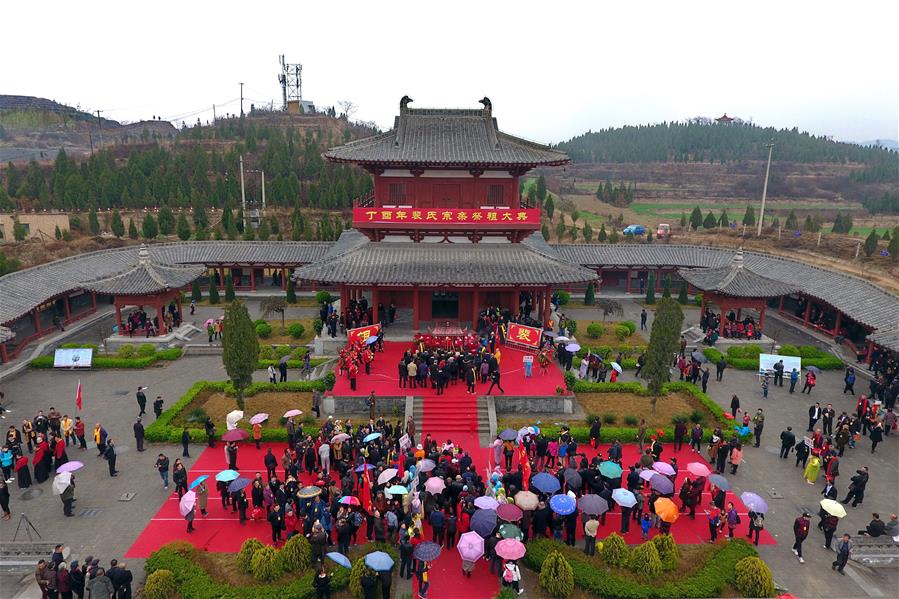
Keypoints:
pixel 447 195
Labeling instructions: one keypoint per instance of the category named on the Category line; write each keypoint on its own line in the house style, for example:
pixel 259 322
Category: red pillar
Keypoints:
pixel 160 316
pixel 808 310
pixel 546 303
pixel 780 306
pixel 415 308
pixel 284 275
pixel 37 321
pixel 723 307
pixel 66 308
pixel 839 321
pixel 762 318
pixel 475 306
pixel 375 299
pixel 869 352
pixel 344 298
pixel 627 281
pixel 252 278
pixel 4 358
pixel 118 317
pixel 93 302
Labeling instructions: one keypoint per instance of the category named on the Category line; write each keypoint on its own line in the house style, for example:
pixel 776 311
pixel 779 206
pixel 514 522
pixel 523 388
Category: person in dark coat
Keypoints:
pixel 857 487
pixel 276 520
pixel 185 441
pixel 110 456
pixel 141 401
pixel 139 435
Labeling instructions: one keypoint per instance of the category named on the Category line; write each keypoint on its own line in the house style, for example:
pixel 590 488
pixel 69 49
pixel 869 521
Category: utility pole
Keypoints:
pixel 213 113
pixel 100 127
pixel 243 196
pixel 263 193
pixel 241 99
pixel 770 146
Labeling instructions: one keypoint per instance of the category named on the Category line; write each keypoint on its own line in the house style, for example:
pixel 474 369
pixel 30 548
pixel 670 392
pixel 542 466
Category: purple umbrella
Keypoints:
pixel 238 484
pixel 573 347
pixel 426 465
pixel 593 504
pixel 70 467
pixel 662 484
pixel 483 522
pixel 470 546
pixel 754 502
pixel 647 475
pixel 259 418
pixel 427 551
pixel 486 503
pixel 664 468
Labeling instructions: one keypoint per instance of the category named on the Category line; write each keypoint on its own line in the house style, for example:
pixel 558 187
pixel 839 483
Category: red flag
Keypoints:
pixel 399 465
pixel 78 397
pixel 365 491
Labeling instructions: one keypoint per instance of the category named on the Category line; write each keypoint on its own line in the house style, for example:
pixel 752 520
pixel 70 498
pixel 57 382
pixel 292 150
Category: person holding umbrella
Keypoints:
pixel 512 576
pixel 202 491
pixel 179 477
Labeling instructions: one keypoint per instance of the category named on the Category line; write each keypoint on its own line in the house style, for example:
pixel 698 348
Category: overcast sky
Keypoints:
pixel 552 69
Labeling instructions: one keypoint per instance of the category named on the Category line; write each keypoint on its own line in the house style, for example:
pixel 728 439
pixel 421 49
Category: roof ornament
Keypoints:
pixel 404 104
pixel 143 255
pixel 737 262
pixel 488 105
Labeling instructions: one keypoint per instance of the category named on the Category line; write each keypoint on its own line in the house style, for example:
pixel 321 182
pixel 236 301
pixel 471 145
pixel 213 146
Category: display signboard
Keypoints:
pixel 362 334
pixel 469 217
pixel 767 362
pixel 80 357
pixel 524 335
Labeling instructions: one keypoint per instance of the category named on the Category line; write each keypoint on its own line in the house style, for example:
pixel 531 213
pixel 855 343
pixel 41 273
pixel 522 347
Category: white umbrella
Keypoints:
pixel 61 482
pixel 387 476
pixel 616 367
pixel 562 338
pixel 187 503
pixel 233 418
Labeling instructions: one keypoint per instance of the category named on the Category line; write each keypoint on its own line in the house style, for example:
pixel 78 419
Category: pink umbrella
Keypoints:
pixel 259 418
pixel 435 485
pixel 70 467
pixel 486 503
pixel 187 503
pixel 470 546
pixel 664 468
pixel 510 549
pixel 339 437
pixel 292 413
pixel 235 434
pixel 698 468
pixel 647 474
pixel 349 500
pixel 509 512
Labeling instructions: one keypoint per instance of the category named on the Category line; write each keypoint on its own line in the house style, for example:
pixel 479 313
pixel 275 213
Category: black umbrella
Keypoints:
pixel 572 478
pixel 284 359
pixel 593 504
pixel 427 551
pixel 483 522
pixel 699 357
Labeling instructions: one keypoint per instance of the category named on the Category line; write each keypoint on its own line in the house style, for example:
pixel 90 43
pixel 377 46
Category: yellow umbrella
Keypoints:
pixel 666 510
pixel 834 508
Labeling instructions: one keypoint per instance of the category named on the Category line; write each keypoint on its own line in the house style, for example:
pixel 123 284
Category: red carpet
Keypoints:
pixel 384 377
pixel 450 416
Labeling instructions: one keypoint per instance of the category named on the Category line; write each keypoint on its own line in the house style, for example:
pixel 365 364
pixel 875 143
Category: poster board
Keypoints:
pixel 80 357
pixel 524 336
pixel 362 334
pixel 767 362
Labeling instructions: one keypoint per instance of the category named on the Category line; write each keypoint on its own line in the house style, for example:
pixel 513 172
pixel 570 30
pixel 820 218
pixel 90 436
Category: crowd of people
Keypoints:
pixel 138 321
pixel 56 578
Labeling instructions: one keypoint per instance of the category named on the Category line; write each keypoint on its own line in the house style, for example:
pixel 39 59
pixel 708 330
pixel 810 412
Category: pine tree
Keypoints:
pixel 791 224
pixel 239 223
pixel 229 288
pixel 749 216
pixel 811 225
pixel 57 233
pixel 149 228
pixel 682 294
pixel 132 229
pixel 723 220
pixel 651 288
pixel 893 247
pixel 249 234
pixel 696 218
pixel 683 220
pixel 649 236
pixel 587 232
pixel 870 245
pixel 291 291
pixel 240 348
pixel 116 225
pixel 613 236
pixel 544 230
pixel 263 233
pixel 166 220
pixel 666 286
pixel 550 207
pixel 93 223
pixel 560 230
pixel 213 292
pixel 589 295
pixel 602 237
pixel 710 221
pixel 541 188
pixel 183 227
pixel 19 232
pixel 195 293
pixel 6 205
pixel 886 235
pixel 663 343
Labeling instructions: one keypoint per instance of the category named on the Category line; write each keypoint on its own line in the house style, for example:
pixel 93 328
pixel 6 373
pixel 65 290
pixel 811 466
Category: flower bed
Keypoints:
pixel 746 357
pixel 143 359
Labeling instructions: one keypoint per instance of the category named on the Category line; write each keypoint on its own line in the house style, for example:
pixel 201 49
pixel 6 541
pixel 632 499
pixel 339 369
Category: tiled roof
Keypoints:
pixel 145 277
pixel 737 280
pixel 25 289
pixel 408 263
pixel 446 137
pixel 888 338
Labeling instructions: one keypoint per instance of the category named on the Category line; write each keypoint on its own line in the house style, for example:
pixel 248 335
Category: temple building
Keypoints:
pixel 445 232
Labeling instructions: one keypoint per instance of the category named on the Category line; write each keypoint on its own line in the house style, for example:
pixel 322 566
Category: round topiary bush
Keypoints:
pixel 615 551
pixel 753 578
pixel 296 555
pixel 571 326
pixel 788 350
pixel 146 350
pixel 246 553
pixel 645 560
pixel 182 548
pixel 622 332
pixel 126 351
pixel 296 330
pixel 266 564
pixel 630 324
pixel 323 297
pixel 563 296
pixel 160 585
pixel 667 549
pixel 317 326
pixel 264 330
pixel 595 330
pixel 556 575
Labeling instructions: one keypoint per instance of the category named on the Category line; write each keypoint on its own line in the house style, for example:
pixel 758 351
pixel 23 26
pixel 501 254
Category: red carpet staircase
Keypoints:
pixel 445 415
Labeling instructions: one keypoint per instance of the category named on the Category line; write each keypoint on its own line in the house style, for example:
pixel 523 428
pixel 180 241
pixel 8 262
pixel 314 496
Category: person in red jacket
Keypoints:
pixel 800 532
pixel 79 433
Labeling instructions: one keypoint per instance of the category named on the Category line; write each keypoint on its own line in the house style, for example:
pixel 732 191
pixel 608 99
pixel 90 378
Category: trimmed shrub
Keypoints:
pixel 296 555
pixel 246 553
pixel 667 549
pixel 570 380
pixel 323 297
pixel 749 350
pixel 788 350
pixel 753 578
pixel 92 346
pixel 356 574
pixel 609 418
pixel 644 560
pixel 556 575
pixel 595 330
pixel 615 551
pixel 563 296
pixel 126 351
pixel 296 330
pixel 317 326
pixel 146 350
pixel 264 330
pixel 329 381
pixel 630 420
pixel 570 326
pixel 266 564
pixel 697 299
pixel 160 585
pixel 622 332
pixel 630 324
pixel 506 592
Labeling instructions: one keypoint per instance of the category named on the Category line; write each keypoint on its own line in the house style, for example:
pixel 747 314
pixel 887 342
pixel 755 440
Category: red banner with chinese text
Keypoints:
pixel 363 333
pixel 518 333
pixel 447 216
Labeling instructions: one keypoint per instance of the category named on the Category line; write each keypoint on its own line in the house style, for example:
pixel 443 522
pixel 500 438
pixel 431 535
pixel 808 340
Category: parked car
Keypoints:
pixel 663 231
pixel 635 230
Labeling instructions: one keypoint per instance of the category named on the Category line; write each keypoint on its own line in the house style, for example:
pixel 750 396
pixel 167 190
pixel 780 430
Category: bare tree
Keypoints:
pixel 274 304
pixel 609 307
pixel 347 108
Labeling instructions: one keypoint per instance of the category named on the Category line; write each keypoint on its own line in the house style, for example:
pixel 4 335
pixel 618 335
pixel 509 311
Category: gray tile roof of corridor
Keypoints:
pixel 736 280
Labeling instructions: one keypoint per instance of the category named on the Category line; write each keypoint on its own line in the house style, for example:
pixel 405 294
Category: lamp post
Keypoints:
pixel 770 146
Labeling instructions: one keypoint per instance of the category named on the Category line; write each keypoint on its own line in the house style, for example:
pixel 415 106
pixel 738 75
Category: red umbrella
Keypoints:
pixel 235 434
pixel 509 512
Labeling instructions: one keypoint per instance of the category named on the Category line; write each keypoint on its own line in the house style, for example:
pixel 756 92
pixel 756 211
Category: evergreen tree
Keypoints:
pixel 683 220
pixel 749 216
pixel 893 247
pixel 870 245
pixel 262 233
pixel 682 294
pixel 183 227
pixel 710 221
pixel 201 221
pixel 696 218
pixel 13 180
pixel 227 217
pixel 249 234
pixel 93 223
pixel 589 295
pixel 132 229
pixel 666 286
pixel 886 235
pixel 613 236
pixel 291 291
pixel 602 237
pixel 116 225
pixel 166 221
pixel 663 344
pixel 240 222
pixel 588 232
pixel 149 228
pixel 213 291
pixel 274 226
pixel 57 233
pixel 195 293
pixel 811 225
pixel 541 188
pixel 229 288
pixel 651 288
pixel 560 230
pixel 723 220
pixel 240 348
pixel 550 207
pixel 791 223
pixel 572 233
pixel 544 230
pixel 296 233
pixel 6 205
pixel 19 233
pixel 201 234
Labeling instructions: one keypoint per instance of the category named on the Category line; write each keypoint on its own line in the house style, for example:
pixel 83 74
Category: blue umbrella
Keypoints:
pixel 546 483
pixel 508 435
pixel 610 470
pixel 371 437
pixel 624 498
pixel 371 340
pixel 397 490
pixel 237 485
pixel 427 551
pixel 563 504
pixel 379 561
pixel 483 522
pixel 197 482
pixel 227 476
pixel 340 559
pixel 364 467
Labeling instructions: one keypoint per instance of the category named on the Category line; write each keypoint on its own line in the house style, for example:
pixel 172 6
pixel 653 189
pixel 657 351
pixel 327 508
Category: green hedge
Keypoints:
pixel 166 355
pixel 295 364
pixel 161 430
pixel 710 579
pixel 748 360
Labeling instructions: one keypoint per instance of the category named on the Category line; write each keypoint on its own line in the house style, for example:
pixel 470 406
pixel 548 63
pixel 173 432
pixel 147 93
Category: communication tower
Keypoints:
pixel 291 79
